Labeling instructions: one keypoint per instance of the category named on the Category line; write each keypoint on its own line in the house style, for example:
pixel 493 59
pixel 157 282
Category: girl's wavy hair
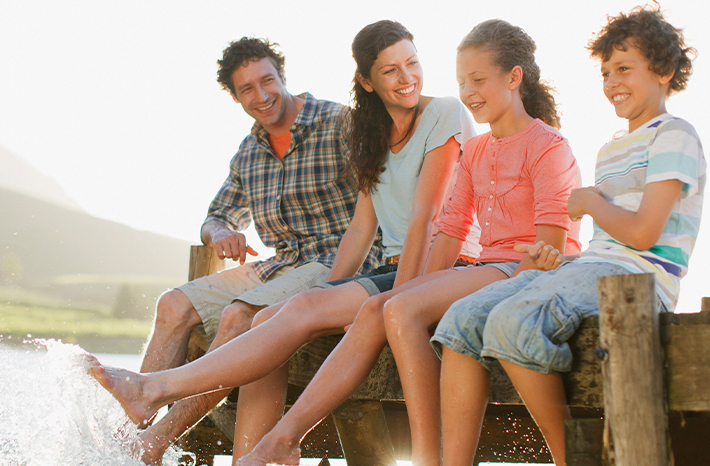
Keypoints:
pixel 371 123
pixel 657 40
pixel 511 46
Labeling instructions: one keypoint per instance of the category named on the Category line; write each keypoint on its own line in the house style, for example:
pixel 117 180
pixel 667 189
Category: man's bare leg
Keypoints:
pixel 175 317
pixel 236 319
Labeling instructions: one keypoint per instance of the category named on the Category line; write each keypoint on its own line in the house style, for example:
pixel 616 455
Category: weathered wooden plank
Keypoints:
pixel 636 425
pixel 203 261
pixel 583 442
pixel 363 433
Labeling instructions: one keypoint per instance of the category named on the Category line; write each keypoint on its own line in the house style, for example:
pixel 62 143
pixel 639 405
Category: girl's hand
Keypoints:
pixel 544 256
pixel 578 200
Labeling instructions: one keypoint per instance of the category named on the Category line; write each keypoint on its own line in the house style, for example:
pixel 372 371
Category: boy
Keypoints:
pixel 646 205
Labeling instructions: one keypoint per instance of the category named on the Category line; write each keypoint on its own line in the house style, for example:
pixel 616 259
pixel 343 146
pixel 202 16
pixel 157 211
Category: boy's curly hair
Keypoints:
pixel 246 49
pixel 662 44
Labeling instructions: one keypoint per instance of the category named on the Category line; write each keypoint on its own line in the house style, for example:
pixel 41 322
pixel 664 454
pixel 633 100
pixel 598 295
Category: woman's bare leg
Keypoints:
pixel 250 356
pixel 339 376
pixel 544 396
pixel 410 317
pixel 465 386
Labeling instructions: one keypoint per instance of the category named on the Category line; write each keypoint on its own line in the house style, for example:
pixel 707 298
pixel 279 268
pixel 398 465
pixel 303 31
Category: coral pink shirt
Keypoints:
pixel 512 185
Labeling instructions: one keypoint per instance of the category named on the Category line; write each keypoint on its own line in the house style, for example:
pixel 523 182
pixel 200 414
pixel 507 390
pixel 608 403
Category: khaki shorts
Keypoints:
pixel 211 294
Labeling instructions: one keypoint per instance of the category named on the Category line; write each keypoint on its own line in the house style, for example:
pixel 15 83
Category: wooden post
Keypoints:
pixel 636 427
pixel 363 434
pixel 203 261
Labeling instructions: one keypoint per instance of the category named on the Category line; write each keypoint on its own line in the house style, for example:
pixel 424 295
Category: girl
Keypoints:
pixel 405 149
pixel 517 179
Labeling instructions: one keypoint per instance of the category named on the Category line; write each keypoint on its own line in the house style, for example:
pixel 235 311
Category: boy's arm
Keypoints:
pixel 640 230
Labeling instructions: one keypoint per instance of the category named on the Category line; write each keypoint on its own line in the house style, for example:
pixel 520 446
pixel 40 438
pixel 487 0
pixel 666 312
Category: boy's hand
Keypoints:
pixel 544 256
pixel 578 200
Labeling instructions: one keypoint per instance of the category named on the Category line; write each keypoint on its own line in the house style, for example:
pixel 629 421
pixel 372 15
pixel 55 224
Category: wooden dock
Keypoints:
pixel 372 429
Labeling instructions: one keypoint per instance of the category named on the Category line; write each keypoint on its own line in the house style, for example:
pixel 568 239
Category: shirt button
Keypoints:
pixel 493 182
pixel 489 209
pixel 491 196
pixel 487 223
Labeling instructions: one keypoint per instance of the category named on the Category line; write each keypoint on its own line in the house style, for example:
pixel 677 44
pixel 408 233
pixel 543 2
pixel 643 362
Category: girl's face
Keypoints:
pixel 396 76
pixel 487 92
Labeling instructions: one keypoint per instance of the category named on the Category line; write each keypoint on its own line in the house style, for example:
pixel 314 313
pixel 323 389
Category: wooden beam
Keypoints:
pixel 636 428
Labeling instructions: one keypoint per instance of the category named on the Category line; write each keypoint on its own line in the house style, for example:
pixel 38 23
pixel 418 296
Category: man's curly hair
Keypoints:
pixel 646 29
pixel 243 50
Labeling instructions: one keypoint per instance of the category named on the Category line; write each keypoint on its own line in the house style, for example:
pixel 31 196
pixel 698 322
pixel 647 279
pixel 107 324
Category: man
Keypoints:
pixel 290 177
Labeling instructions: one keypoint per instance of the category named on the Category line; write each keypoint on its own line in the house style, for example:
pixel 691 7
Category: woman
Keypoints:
pixel 405 150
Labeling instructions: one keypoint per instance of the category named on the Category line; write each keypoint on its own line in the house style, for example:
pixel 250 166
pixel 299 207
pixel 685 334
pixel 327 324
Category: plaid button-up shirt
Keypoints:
pixel 301 205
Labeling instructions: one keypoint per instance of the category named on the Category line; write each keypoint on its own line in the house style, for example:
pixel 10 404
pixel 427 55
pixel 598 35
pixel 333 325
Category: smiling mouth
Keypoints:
pixel 263 109
pixel 476 105
pixel 620 98
pixel 407 91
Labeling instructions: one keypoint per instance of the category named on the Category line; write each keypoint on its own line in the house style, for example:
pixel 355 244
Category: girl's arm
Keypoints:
pixel 432 186
pixel 357 240
pixel 640 230
pixel 555 237
pixel 443 253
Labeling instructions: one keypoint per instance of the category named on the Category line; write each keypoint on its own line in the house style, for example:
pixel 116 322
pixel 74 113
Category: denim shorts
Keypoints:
pixel 375 282
pixel 525 320
pixel 507 268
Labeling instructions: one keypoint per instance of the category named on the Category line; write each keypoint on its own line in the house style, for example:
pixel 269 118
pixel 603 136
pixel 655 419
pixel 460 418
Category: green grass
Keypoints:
pixel 47 320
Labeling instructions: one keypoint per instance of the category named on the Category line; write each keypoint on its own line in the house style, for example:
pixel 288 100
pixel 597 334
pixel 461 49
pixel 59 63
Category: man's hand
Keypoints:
pixel 231 245
pixel 544 256
pixel 578 200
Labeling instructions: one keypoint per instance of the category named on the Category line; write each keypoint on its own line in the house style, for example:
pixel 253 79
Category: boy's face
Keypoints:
pixel 637 93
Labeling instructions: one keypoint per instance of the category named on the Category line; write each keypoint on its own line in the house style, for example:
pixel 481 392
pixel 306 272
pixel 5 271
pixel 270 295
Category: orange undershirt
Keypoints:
pixel 280 143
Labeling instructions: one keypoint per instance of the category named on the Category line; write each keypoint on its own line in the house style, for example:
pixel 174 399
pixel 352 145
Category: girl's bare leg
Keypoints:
pixel 465 386
pixel 544 396
pixel 339 376
pixel 244 359
pixel 260 406
pixel 410 317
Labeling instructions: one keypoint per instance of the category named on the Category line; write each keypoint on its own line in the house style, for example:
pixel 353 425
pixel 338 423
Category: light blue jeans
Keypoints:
pixel 525 320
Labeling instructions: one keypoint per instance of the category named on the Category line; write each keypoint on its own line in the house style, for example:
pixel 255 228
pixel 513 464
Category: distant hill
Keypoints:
pixel 19 176
pixel 40 241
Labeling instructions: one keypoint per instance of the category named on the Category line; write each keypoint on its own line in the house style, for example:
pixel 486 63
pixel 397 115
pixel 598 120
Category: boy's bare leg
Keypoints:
pixel 236 319
pixel 465 387
pixel 544 396
pixel 409 318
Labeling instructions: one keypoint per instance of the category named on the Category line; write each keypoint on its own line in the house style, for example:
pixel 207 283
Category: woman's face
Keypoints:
pixel 396 76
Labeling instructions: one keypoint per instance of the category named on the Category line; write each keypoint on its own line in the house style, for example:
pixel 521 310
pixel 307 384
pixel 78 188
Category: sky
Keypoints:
pixel 118 101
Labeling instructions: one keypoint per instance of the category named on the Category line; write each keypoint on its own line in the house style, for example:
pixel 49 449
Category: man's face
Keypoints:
pixel 262 93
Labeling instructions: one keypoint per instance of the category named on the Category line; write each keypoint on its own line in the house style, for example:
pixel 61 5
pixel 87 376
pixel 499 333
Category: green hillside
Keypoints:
pixel 64 273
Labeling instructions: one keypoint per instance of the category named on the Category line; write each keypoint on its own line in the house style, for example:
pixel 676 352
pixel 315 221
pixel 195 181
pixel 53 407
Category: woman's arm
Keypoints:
pixel 432 186
pixel 443 253
pixel 357 240
pixel 640 230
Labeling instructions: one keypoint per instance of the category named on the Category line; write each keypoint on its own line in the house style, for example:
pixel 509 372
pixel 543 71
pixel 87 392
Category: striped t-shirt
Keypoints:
pixel 665 148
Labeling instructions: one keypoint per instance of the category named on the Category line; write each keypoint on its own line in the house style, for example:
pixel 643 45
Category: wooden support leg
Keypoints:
pixel 363 434
pixel 583 442
pixel 636 429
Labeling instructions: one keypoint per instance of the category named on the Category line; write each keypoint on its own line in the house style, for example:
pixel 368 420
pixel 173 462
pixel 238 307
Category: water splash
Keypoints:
pixel 53 412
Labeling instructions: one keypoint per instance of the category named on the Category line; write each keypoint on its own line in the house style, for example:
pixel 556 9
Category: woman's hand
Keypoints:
pixel 544 256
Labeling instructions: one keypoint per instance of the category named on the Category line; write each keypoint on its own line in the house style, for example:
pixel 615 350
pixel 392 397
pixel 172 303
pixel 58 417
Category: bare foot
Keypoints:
pixel 129 388
pixel 273 451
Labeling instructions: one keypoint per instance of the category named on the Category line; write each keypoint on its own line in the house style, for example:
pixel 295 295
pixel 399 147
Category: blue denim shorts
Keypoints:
pixel 525 320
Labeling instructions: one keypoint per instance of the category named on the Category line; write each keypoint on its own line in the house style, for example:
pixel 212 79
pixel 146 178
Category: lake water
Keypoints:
pixel 53 413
